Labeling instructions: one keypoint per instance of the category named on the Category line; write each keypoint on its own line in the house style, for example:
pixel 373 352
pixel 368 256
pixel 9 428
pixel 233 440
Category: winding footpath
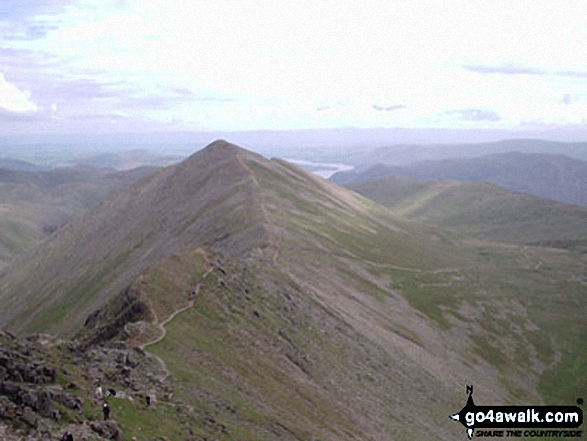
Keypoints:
pixel 161 325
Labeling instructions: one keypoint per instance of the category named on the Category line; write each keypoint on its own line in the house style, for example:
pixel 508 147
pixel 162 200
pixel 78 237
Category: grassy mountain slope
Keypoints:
pixel 284 306
pixel 99 254
pixel 549 176
pixel 482 210
pixel 33 205
pixel 489 212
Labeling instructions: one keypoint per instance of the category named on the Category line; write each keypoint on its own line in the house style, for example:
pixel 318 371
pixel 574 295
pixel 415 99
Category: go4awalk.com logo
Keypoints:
pixel 520 421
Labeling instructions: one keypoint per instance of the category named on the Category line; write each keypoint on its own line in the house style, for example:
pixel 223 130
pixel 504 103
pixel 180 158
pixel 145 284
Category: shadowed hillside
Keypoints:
pixel 282 306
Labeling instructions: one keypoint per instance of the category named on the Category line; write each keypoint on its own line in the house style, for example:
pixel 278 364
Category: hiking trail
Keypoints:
pixel 190 304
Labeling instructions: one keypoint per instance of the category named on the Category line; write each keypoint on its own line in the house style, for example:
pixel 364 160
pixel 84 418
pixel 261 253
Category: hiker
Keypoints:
pixel 67 436
pixel 148 398
pixel 106 410
pixel 99 393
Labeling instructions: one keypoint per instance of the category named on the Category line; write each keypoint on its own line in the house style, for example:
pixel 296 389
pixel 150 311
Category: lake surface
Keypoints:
pixel 323 169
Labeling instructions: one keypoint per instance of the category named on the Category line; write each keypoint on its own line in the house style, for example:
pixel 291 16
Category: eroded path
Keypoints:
pixel 190 304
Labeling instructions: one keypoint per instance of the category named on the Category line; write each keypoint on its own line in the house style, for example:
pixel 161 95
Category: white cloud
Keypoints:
pixel 267 64
pixel 12 99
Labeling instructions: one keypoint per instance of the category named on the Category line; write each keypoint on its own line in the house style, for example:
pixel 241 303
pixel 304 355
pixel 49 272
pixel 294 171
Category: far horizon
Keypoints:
pixel 300 138
pixel 323 152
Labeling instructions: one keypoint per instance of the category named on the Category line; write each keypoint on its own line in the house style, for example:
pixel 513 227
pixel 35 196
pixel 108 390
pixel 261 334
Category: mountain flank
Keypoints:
pixel 16 164
pixel 481 210
pixel 102 252
pixel 35 204
pixel 278 305
pixel 411 153
pixel 555 177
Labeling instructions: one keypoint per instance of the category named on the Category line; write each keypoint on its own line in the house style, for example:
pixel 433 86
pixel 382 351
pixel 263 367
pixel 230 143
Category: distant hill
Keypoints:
pixel 482 210
pixel 283 306
pixel 406 154
pixel 555 177
pixel 126 159
pixel 35 204
pixel 16 164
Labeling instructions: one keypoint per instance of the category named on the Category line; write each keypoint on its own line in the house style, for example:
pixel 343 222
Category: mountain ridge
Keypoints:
pixel 120 219
pixel 482 210
pixel 293 308
pixel 550 176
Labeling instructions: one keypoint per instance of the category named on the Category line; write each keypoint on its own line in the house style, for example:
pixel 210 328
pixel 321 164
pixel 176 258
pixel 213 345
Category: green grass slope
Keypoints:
pixel 552 280
pixel 207 199
pixel 33 205
pixel 286 307
pixel 482 210
pixel 555 177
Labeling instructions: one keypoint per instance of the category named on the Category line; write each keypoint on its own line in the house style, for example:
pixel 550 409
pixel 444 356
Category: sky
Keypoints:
pixel 102 66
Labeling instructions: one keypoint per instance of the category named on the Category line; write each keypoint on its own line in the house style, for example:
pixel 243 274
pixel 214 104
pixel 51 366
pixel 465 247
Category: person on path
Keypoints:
pixel 99 393
pixel 106 411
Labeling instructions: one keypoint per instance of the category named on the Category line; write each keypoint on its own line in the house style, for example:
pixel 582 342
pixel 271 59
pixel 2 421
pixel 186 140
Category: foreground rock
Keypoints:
pixel 47 386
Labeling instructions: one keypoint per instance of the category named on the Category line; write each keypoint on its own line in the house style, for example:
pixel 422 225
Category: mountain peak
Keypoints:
pixel 223 146
pixel 219 153
pixel 221 149
pixel 209 200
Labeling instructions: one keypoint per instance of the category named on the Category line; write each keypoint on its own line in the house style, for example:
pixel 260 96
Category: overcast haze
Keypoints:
pixel 95 66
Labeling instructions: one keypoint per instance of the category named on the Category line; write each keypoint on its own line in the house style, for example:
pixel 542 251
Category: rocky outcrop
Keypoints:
pixel 28 396
pixel 30 399
pixel 47 386
pixel 14 368
pixel 108 323
pixel 107 430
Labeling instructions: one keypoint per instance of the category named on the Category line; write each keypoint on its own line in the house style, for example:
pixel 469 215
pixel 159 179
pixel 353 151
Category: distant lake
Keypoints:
pixel 323 169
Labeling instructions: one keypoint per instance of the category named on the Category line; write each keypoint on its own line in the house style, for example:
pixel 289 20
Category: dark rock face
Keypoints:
pixel 12 368
pixel 20 380
pixel 26 401
pixel 48 386
pixel 29 396
pixel 31 399
pixel 108 322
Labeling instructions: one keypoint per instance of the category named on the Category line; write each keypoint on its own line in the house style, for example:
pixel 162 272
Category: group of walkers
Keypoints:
pixel 99 394
pixel 105 406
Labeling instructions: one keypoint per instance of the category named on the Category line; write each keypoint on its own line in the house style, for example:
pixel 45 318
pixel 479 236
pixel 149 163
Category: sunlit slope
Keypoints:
pixel 550 176
pixel 482 210
pixel 536 259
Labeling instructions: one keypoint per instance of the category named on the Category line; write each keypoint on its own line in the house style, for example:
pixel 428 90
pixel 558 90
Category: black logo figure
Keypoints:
pixel 461 416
